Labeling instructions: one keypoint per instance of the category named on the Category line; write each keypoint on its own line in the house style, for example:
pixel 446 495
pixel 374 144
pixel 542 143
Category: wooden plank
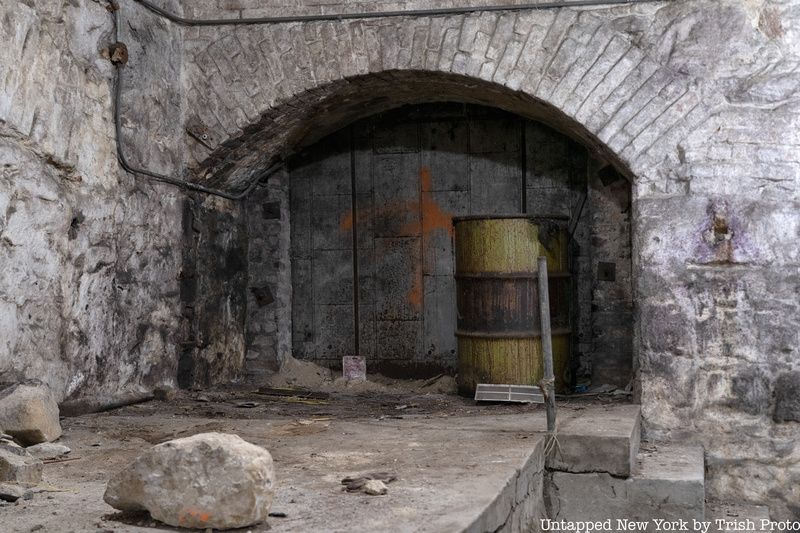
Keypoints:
pixel 495 184
pixel 439 341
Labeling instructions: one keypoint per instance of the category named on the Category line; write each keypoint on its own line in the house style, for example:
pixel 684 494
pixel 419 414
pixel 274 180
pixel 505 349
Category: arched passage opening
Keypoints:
pixel 309 115
pixel 368 208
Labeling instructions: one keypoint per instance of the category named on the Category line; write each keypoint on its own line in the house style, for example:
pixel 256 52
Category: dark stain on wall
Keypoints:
pixel 213 285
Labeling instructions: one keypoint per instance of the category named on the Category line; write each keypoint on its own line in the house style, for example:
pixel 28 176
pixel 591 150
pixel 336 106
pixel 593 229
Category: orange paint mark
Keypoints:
pixel 432 218
pixel 415 293
pixel 190 516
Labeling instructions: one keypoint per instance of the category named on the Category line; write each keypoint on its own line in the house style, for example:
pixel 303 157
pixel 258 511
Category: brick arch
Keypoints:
pixel 584 72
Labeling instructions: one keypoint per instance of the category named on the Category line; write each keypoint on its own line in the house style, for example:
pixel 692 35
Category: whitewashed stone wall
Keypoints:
pixel 88 256
pixel 697 102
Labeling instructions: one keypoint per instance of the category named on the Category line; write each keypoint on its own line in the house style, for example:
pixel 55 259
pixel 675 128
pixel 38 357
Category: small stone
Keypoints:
pixel 29 413
pixel 19 466
pixel 375 487
pixel 209 480
pixel 11 492
pixel 47 450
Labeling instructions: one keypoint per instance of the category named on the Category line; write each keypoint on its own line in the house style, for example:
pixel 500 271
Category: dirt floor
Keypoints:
pixel 430 439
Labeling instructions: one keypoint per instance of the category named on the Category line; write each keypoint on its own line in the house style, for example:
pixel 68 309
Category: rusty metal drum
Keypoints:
pixel 498 327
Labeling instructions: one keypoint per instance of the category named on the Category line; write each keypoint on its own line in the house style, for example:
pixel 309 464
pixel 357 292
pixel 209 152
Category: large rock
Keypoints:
pixel 209 480
pixel 19 466
pixel 29 413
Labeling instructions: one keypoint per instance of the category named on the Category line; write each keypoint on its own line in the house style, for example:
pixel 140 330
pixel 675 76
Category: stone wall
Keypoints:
pixel 90 256
pixel 213 292
pixel 269 291
pixel 695 101
pixel 612 305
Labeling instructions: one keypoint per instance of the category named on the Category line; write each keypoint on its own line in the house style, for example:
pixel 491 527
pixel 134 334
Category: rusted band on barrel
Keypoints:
pixel 532 334
pixel 509 275
pixel 544 218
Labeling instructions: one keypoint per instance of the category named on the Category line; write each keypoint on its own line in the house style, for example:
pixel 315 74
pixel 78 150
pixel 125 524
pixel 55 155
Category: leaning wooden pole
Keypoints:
pixel 548 383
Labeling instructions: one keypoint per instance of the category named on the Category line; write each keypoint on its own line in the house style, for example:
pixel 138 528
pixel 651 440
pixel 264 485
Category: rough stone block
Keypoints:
pixel 736 514
pixel 29 413
pixel 667 483
pixel 18 466
pixel 209 480
pixel 607 442
pixel 11 492
pixel 48 450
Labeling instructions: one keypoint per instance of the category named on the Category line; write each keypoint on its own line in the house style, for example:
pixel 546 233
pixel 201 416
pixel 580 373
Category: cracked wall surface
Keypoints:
pixel 696 102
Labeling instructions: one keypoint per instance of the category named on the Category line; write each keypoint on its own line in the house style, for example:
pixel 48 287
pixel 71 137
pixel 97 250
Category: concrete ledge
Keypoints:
pixel 607 441
pixel 666 483
pixel 519 506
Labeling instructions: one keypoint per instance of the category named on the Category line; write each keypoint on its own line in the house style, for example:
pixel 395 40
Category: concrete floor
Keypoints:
pixel 454 461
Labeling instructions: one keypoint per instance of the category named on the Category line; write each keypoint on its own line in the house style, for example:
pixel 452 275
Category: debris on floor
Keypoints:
pixel 209 480
pixel 293 392
pixel 375 487
pixel 11 492
pixel 48 450
pixel 29 413
pixel 297 373
pixel 373 483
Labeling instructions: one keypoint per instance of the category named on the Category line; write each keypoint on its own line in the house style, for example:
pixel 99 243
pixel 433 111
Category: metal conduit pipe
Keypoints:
pixel 384 14
pixel 123 161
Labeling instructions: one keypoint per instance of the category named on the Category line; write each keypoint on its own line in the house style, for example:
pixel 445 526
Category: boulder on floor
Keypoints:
pixel 29 413
pixel 209 480
pixel 18 466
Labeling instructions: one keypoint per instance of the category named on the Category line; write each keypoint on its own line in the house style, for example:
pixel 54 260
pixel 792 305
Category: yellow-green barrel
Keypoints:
pixel 498 331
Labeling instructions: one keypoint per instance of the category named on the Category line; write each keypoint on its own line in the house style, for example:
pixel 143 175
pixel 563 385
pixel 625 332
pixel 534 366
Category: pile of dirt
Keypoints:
pixel 307 375
pixel 301 374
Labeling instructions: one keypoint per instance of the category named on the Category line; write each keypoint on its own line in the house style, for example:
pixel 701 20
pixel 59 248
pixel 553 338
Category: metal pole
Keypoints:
pixel 548 383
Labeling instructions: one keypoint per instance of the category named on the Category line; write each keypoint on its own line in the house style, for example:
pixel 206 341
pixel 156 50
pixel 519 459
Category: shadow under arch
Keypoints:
pixel 315 113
